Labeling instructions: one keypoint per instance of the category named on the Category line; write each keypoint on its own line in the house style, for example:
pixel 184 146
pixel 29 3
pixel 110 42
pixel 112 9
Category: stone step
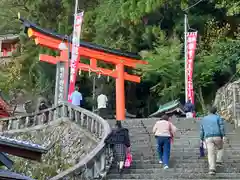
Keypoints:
pixel 175 164
pixel 151 123
pixel 193 133
pixel 153 120
pixel 149 120
pixel 196 160
pixel 178 145
pixel 140 145
pixel 146 123
pixel 179 156
pixel 175 122
pixel 147 137
pixel 175 175
pixel 150 128
pixel 180 170
pixel 161 179
pixel 178 141
pixel 128 179
pixel 178 136
pixel 156 119
pixel 193 150
pixel 181 127
pixel 146 150
pixel 140 132
pixel 190 134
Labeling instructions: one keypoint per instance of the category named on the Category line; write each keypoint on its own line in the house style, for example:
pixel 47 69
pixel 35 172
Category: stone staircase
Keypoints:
pixel 184 162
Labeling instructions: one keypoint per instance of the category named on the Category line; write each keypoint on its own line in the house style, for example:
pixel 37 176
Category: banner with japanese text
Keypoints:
pixel 191 47
pixel 75 58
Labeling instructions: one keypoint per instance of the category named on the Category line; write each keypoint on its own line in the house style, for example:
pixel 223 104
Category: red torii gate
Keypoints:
pixel 120 59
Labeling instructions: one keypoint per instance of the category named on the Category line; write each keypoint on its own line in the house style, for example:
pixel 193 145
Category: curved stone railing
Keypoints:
pixel 95 164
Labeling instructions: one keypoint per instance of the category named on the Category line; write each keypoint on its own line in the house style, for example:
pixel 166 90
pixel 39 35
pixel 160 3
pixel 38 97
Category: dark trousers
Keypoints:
pixel 164 148
pixel 103 112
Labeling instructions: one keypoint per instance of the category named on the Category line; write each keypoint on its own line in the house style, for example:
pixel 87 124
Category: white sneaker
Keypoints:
pixel 212 172
pixel 165 167
pixel 160 162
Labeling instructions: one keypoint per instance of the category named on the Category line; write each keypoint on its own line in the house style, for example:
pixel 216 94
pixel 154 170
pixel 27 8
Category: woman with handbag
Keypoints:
pixel 119 140
pixel 164 132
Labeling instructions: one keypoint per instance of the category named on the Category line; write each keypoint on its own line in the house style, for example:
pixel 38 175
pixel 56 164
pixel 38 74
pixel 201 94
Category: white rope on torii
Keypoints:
pixel 99 72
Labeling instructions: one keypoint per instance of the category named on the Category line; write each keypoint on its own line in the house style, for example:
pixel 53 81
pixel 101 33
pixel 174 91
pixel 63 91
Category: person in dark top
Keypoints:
pixel 119 139
pixel 42 107
pixel 189 109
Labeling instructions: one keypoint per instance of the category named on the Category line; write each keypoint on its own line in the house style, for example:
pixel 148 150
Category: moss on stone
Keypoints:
pixel 68 146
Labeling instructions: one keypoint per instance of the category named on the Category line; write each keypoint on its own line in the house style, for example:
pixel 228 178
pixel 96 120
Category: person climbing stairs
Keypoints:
pixel 185 161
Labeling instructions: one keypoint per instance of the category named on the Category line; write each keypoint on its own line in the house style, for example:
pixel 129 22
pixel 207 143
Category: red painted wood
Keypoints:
pixel 86 67
pixel 4 109
pixel 94 55
pixel 53 43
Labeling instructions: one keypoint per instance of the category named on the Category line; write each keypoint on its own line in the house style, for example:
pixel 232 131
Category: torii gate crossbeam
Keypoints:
pixel 120 59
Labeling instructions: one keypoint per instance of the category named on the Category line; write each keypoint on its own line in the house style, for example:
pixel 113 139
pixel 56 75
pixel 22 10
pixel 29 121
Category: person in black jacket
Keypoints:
pixel 119 139
pixel 43 107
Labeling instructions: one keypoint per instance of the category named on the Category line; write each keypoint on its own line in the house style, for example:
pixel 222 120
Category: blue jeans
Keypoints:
pixel 164 148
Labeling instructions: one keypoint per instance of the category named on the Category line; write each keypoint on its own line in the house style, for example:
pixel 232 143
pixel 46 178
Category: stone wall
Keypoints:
pixel 68 143
pixel 227 101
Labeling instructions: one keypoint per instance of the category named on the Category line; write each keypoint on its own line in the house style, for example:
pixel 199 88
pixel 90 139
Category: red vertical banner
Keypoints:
pixel 75 58
pixel 191 47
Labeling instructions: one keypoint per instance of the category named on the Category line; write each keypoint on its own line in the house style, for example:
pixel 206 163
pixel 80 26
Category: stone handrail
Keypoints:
pixel 96 163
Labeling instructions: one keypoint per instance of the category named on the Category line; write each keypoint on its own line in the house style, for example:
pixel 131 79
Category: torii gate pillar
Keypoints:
pixel 120 93
pixel 94 53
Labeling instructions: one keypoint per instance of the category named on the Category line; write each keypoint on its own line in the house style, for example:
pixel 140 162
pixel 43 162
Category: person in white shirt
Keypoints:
pixel 76 97
pixel 102 101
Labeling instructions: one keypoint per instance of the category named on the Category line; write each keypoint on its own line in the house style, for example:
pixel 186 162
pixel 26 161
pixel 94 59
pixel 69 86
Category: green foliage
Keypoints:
pixel 232 6
pixel 163 62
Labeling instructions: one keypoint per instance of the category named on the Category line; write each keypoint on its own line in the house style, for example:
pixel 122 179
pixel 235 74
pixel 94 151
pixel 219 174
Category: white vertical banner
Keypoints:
pixel 75 58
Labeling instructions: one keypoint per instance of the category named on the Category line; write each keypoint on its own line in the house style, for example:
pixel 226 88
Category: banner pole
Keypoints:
pixel 93 93
pixel 68 69
pixel 69 51
pixel 75 57
pixel 76 7
pixel 68 66
pixel 185 56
